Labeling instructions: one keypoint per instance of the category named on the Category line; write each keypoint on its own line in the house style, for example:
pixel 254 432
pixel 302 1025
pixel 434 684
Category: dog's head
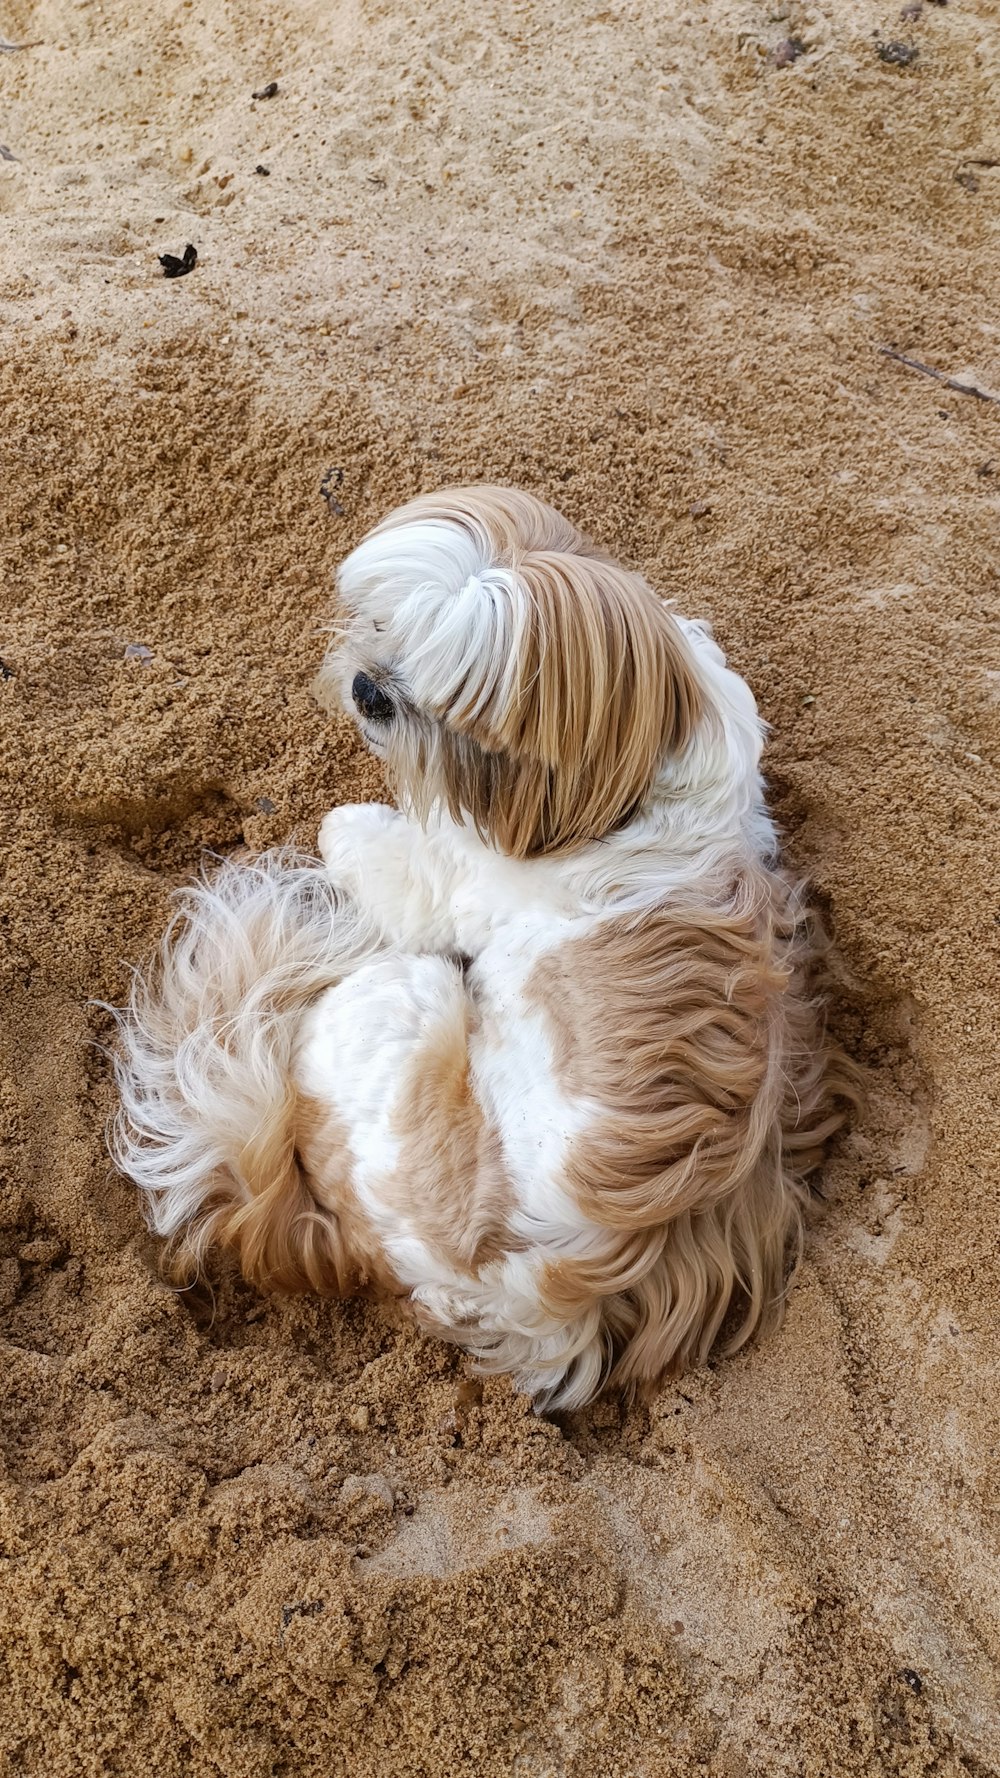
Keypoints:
pixel 504 667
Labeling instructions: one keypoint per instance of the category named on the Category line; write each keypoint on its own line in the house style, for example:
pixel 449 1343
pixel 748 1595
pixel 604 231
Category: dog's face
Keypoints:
pixel 506 669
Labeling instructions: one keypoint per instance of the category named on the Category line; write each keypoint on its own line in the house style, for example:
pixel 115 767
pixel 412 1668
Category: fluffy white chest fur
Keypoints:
pixel 534 1052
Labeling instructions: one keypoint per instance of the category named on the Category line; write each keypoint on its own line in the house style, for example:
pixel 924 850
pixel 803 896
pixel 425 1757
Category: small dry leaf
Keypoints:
pixel 179 268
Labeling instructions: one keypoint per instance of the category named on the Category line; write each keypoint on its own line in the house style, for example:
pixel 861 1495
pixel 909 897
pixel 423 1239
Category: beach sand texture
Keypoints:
pixel 641 259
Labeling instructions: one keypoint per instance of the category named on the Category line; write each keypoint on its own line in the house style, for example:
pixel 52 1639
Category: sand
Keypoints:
pixel 642 260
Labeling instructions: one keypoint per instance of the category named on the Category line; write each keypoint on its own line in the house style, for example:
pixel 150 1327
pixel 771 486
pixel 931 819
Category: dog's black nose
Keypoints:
pixel 371 700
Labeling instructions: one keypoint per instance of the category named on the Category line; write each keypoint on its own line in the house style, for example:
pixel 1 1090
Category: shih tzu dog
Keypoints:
pixel 536 1050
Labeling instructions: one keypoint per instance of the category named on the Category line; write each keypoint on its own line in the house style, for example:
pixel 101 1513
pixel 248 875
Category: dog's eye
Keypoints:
pixel 371 700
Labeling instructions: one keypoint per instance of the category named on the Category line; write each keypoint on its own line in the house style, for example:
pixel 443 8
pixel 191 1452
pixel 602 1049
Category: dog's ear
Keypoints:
pixel 589 687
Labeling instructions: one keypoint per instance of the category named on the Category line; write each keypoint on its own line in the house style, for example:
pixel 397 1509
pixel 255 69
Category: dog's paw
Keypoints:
pixel 354 828
pixel 446 1306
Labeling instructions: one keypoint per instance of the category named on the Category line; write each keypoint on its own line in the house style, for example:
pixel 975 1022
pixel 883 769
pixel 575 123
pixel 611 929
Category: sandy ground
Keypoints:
pixel 631 259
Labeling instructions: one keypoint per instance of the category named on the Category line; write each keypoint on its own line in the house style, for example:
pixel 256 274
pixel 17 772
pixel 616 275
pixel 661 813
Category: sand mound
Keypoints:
pixel 640 259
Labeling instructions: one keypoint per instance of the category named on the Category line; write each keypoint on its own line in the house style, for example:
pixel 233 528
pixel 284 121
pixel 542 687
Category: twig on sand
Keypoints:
pixel 7 48
pixel 940 376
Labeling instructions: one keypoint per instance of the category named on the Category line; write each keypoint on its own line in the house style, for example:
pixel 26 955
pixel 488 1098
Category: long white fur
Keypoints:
pixel 249 947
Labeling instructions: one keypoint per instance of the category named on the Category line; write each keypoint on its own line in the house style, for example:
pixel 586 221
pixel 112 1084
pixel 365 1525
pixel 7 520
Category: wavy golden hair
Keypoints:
pixel 550 734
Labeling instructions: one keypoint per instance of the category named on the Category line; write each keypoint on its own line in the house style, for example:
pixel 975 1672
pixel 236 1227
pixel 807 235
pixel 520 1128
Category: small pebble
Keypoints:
pixel 266 92
pixel 786 52
pixel 896 54
pixel 334 478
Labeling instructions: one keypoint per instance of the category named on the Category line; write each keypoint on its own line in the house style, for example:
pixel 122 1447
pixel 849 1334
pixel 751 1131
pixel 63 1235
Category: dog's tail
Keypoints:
pixel 204 1067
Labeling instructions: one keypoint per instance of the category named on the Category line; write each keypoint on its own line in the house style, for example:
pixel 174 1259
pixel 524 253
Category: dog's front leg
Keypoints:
pixel 395 872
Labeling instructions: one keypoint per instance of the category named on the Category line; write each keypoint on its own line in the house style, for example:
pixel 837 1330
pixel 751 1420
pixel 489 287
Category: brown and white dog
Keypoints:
pixel 534 1051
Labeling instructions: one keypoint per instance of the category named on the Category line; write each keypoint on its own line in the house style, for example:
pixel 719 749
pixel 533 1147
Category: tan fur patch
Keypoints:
pixel 693 1032
pixel 356 1262
pixel 300 1228
pixel 451 1182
